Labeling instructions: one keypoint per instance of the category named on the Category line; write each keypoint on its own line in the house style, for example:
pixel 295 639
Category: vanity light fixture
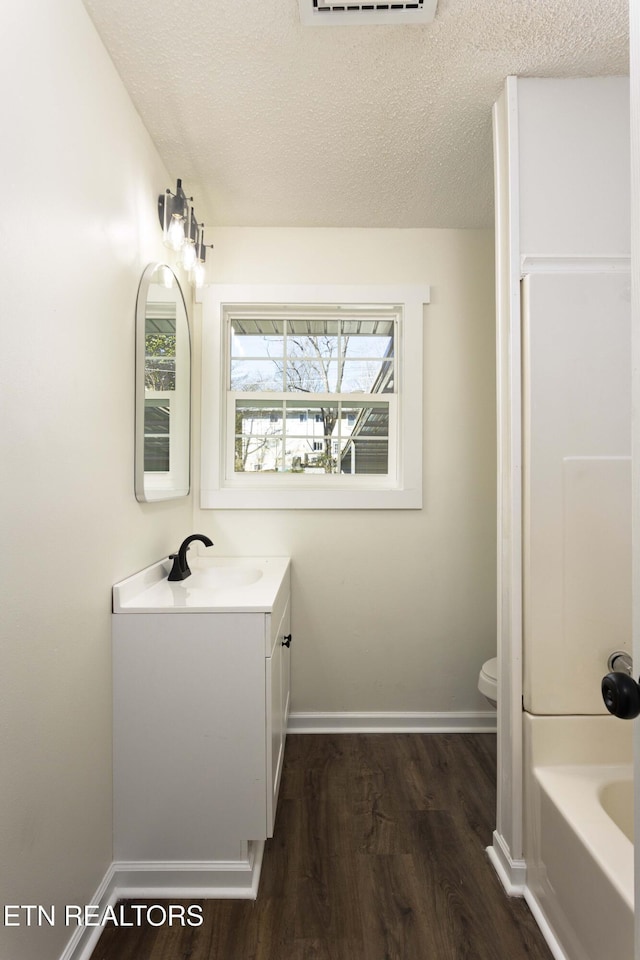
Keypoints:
pixel 173 210
pixel 189 252
pixel 182 232
pixel 198 272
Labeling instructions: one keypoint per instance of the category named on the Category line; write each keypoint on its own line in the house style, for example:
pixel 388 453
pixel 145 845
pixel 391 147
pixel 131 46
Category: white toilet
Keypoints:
pixel 488 681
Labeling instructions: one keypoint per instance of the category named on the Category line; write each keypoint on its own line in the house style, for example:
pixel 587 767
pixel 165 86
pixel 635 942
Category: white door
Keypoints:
pixel 635 274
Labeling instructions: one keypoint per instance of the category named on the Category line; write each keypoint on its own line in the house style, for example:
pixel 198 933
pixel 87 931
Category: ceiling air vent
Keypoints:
pixel 330 13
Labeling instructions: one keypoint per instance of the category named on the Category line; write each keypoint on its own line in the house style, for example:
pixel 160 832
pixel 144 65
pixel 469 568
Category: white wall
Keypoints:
pixel 392 610
pixel 80 179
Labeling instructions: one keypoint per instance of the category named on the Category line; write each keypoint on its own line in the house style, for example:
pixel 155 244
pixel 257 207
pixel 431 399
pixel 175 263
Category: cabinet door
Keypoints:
pixel 277 681
pixel 286 673
pixel 190 778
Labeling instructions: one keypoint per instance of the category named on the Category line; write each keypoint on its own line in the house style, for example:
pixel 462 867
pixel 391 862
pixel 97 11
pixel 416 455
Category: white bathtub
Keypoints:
pixel 579 833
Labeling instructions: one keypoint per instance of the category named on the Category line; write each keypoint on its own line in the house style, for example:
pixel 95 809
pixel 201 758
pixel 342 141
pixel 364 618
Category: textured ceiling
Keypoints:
pixel 270 123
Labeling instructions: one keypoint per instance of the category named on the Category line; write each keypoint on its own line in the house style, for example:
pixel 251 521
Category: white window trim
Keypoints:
pixel 350 492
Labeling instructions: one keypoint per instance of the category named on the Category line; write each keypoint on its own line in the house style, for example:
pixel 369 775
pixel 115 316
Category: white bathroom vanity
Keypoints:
pixel 201 682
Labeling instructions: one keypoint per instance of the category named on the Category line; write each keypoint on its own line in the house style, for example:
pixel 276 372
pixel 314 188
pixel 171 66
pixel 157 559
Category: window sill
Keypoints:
pixel 310 498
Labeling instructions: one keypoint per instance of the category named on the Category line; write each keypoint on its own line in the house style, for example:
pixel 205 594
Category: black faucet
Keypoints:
pixel 180 569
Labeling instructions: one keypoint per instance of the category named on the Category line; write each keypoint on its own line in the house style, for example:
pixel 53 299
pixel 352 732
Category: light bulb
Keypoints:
pixel 198 274
pixel 189 256
pixel 175 233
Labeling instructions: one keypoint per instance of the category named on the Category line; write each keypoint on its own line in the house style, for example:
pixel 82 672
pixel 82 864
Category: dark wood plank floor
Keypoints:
pixel 378 854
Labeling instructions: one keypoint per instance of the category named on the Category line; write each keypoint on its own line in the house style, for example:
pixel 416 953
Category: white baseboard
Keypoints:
pixel 215 880
pixel 512 873
pixel 479 721
pixel 545 928
pixel 84 939
pixel 145 880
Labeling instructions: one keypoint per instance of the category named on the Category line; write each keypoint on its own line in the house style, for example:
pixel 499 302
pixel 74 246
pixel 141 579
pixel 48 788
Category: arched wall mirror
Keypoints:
pixel 163 387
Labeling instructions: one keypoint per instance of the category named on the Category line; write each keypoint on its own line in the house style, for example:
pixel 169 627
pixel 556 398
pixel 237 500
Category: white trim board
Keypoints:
pixel 84 939
pixel 545 927
pixel 512 873
pixel 215 880
pixel 533 264
pixel 513 876
pixel 478 721
pixel 204 880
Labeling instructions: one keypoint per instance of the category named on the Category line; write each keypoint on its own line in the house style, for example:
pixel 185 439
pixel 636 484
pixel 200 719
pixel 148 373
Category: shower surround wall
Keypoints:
pixel 574 249
pixel 564 383
pixel 576 486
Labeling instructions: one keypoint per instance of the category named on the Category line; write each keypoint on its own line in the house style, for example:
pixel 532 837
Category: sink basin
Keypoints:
pixel 216 584
pixel 217 576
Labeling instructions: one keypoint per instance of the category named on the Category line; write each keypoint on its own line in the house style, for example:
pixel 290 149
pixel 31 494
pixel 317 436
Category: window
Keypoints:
pixel 304 367
pixel 312 396
pixel 157 449
pixel 159 385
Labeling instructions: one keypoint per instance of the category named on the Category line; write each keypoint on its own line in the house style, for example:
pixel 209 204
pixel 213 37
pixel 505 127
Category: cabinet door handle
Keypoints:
pixel 286 640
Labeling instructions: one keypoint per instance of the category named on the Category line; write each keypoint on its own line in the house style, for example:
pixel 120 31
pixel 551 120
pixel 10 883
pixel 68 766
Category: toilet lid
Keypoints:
pixel 490 669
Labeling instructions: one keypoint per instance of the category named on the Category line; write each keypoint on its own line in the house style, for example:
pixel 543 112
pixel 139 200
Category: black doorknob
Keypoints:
pixel 286 640
pixel 621 695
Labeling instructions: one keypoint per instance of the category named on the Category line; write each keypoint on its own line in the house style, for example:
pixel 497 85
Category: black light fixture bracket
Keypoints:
pixel 173 204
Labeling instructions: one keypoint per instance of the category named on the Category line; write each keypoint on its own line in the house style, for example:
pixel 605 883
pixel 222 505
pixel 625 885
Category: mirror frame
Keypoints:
pixel 142 491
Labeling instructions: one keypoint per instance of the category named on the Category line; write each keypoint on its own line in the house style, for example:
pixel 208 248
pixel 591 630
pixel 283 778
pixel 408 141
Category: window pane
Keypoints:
pixel 157 443
pixel 160 346
pixel 258 416
pixel 257 338
pixel 309 456
pixel 308 376
pixel 365 416
pixel 364 428
pixel 309 443
pixel 363 455
pixel 156 454
pixel 310 418
pixel 256 375
pixel 368 326
pixel 368 376
pixel 317 339
pixel 159 356
pixel 357 345
pixel 157 416
pixel 258 440
pixel 369 357
pixel 254 454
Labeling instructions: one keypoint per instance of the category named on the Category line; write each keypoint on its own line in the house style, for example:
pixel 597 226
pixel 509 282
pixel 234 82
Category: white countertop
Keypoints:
pixel 216 585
